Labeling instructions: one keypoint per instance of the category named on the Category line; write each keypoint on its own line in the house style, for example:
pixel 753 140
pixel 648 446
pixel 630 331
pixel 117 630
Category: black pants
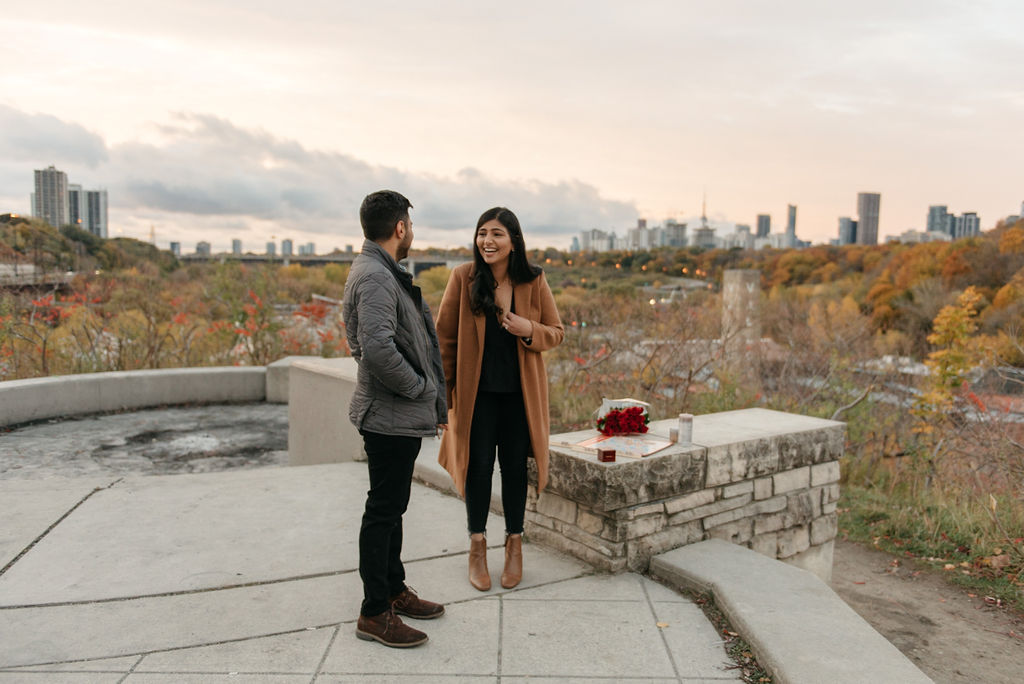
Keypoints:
pixel 499 421
pixel 390 460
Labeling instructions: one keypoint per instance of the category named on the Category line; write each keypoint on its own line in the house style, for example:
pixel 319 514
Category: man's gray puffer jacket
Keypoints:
pixel 400 387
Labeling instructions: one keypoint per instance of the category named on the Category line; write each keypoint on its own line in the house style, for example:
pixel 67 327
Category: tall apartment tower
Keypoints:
pixel 76 205
pixel 966 225
pixel 87 209
pixel 868 205
pixel 236 246
pixel 50 200
pixel 791 225
pixel 96 212
pixel 847 231
pixel 764 225
pixel 939 219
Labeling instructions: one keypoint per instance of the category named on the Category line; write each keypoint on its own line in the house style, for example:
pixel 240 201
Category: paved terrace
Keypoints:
pixel 251 576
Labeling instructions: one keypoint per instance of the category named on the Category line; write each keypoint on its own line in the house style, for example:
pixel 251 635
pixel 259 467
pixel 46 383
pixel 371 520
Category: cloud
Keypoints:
pixel 206 166
pixel 202 170
pixel 40 138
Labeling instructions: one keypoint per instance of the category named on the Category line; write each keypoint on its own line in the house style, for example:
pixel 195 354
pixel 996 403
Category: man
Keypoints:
pixel 399 399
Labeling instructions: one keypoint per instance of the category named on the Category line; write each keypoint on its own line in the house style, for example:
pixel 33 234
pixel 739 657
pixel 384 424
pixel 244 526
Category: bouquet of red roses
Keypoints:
pixel 621 421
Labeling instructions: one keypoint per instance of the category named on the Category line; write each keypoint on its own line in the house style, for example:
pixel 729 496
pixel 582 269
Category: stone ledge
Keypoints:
pixel 800 630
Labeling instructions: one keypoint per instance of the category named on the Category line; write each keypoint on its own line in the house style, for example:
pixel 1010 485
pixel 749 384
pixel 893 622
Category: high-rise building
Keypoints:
pixel 966 225
pixel 704 237
pixel 674 234
pixel 50 200
pixel 286 247
pixel 868 206
pixel 236 246
pixel 76 206
pixel 86 209
pixel 176 249
pixel 203 248
pixel 939 220
pixel 271 248
pixel 791 225
pixel 847 231
pixel 764 225
pixel 94 219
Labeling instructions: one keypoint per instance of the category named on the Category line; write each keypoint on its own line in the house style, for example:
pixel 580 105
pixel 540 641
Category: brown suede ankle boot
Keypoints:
pixel 513 572
pixel 478 575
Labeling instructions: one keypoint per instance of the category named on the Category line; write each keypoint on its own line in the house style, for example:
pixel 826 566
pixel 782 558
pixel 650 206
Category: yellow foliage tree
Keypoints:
pixel 954 356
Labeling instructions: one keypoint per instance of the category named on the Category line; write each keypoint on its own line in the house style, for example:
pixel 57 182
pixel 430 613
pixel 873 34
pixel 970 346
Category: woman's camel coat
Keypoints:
pixel 461 335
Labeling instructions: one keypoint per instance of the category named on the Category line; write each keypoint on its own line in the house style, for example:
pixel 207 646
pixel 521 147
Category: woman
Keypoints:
pixel 496 317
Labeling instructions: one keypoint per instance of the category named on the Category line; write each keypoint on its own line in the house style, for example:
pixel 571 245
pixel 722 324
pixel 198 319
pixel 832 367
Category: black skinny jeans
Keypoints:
pixel 499 421
pixel 390 461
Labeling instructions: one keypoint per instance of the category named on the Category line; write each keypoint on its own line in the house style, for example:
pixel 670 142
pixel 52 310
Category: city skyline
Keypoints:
pixel 59 202
pixel 220 120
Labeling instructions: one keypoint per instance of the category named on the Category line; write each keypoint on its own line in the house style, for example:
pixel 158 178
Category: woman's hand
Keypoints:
pixel 517 325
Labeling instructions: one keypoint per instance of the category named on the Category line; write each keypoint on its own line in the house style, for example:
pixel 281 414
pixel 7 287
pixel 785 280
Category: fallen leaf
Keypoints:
pixel 662 624
pixel 948 566
pixel 860 582
pixel 1001 561
pixel 973 595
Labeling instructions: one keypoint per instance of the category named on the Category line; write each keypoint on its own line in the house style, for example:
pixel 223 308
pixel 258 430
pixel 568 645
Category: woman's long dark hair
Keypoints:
pixel 481 289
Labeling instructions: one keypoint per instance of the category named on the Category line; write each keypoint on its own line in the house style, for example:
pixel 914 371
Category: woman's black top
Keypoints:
pixel 499 370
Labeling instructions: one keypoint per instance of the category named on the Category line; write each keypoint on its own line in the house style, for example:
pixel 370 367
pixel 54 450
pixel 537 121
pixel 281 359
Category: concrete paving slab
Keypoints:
pixel 405 679
pixel 697 650
pixel 32 506
pixel 192 532
pixel 800 630
pixel 298 653
pixel 465 641
pixel 659 593
pixel 35 636
pixel 588 678
pixel 446 579
pixel 122 665
pixel 597 639
pixel 206 678
pixel 603 587
pixel 60 677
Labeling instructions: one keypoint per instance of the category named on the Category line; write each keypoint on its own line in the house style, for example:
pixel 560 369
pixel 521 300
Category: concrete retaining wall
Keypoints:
pixel 319 431
pixel 22 401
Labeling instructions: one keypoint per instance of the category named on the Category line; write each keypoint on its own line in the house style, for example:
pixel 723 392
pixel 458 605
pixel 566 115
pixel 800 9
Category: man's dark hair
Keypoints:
pixel 380 212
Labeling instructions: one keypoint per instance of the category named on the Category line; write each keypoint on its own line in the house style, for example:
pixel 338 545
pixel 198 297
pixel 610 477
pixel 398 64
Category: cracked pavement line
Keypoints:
pixel 54 525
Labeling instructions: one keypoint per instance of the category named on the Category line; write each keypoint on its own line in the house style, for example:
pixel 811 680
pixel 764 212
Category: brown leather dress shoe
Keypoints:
pixel 388 629
pixel 409 604
pixel 513 572
pixel 478 575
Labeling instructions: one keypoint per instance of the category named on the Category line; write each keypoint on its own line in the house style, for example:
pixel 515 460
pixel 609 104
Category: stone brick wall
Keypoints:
pixel 763 479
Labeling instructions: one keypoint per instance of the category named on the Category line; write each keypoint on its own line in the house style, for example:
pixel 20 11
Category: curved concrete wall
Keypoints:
pixel 22 401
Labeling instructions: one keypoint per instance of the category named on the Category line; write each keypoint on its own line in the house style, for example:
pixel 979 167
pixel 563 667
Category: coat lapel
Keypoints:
pixel 524 300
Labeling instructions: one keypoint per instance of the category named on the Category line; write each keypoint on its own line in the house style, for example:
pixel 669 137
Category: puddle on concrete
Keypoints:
pixel 154 442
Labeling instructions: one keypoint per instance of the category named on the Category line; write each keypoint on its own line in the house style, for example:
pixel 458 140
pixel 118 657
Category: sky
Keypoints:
pixel 262 120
